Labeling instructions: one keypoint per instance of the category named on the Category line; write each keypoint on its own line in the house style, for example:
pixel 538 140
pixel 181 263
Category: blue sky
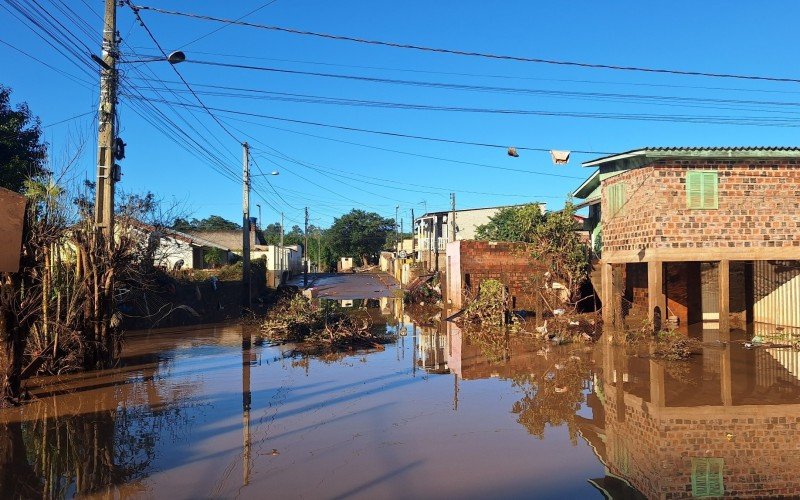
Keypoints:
pixel 332 170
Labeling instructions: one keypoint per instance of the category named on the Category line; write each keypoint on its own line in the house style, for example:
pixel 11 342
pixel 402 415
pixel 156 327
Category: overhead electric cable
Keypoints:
pixel 263 6
pixel 485 55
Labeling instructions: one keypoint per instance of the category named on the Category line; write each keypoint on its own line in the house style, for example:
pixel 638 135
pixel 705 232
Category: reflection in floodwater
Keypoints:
pixel 218 412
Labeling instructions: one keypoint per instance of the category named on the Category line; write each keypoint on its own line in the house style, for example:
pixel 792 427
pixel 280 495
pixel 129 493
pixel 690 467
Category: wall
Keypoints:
pixel 654 451
pixel 777 292
pixel 471 262
pixel 171 250
pixel 759 207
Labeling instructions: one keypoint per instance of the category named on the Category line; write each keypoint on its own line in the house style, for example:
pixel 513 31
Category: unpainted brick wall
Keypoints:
pixel 510 263
pixel 655 453
pixel 759 206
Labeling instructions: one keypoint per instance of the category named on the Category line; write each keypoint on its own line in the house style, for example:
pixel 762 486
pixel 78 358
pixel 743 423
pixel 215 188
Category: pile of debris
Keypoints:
pixel 424 290
pixel 319 328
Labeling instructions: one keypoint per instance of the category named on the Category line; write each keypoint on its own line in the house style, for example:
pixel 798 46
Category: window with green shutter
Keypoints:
pixel 707 477
pixel 616 199
pixel 702 190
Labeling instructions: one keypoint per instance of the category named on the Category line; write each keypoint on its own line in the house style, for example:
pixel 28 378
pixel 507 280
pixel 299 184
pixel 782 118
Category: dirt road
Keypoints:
pixel 352 286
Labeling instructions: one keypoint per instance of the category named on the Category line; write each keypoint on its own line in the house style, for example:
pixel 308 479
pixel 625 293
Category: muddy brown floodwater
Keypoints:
pixel 208 412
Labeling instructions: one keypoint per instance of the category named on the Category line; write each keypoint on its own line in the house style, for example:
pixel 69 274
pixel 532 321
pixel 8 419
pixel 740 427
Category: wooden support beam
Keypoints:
pixel 656 298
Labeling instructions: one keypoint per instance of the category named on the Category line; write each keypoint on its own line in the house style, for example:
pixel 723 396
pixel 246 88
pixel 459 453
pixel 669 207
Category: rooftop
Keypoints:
pixel 702 152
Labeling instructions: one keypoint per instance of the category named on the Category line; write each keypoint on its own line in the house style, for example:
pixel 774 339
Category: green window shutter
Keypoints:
pixel 707 477
pixel 702 190
pixel 616 199
pixel 694 190
pixel 710 192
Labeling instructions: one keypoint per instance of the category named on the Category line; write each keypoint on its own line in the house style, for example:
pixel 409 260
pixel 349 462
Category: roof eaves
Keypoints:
pixel 588 186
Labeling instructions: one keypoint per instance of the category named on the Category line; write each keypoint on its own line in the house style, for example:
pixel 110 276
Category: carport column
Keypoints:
pixel 655 294
pixel 607 295
pixel 724 278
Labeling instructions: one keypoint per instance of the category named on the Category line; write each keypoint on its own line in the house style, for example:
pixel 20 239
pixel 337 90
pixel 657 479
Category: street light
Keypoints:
pixel 259 216
pixel 175 57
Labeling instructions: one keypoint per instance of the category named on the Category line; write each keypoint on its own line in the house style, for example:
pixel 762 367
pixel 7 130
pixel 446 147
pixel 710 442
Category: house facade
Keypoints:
pixel 282 263
pixel 698 236
pixel 434 230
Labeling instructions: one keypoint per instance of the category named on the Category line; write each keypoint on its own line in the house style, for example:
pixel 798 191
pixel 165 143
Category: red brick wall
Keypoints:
pixel 759 206
pixel 510 263
pixel 655 453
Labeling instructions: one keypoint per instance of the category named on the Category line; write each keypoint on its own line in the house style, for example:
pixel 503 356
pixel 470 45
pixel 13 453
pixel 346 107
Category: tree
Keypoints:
pixel 556 243
pixel 359 234
pixel 22 152
pixel 210 223
pixel 512 224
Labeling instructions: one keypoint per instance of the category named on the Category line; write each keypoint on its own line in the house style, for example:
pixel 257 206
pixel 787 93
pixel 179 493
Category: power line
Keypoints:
pixel 160 49
pixel 263 6
pixel 486 75
pixel 485 55
pixel 92 112
pixel 381 132
pixel 699 119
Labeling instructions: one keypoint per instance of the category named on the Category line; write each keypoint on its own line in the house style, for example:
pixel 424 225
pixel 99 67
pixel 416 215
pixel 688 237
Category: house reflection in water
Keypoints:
pixel 724 424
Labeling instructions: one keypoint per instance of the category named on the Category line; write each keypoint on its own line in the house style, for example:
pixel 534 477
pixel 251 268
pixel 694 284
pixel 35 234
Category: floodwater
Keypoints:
pixel 210 412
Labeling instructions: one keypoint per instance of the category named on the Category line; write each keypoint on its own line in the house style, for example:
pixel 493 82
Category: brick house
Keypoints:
pixel 702 236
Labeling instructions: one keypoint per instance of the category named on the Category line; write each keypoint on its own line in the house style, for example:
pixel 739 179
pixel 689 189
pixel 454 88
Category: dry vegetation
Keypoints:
pixel 321 327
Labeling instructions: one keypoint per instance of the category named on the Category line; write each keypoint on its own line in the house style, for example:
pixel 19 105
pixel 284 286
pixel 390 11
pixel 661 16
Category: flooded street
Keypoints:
pixel 208 412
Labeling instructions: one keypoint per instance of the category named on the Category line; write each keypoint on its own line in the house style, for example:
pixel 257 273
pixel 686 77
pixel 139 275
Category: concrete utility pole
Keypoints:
pixel 452 217
pixel 319 250
pixel 246 226
pixel 413 236
pixel 305 253
pixel 106 137
pixel 282 252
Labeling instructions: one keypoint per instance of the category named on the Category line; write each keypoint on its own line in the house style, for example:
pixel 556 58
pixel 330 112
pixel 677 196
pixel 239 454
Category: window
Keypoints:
pixel 616 199
pixel 707 477
pixel 701 190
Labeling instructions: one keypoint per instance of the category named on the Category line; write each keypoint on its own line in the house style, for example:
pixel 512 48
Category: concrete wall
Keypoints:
pixel 777 293
pixel 171 250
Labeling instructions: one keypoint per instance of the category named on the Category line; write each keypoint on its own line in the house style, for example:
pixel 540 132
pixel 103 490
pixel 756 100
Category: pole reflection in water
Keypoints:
pixel 247 343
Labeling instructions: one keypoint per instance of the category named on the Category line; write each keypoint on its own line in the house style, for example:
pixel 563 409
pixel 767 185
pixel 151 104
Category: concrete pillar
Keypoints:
pixel 657 299
pixel 657 391
pixel 726 387
pixel 606 295
pixel 724 279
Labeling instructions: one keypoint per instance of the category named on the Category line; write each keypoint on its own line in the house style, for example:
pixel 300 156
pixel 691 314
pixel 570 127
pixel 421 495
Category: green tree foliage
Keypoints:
pixel 512 224
pixel 214 257
pixel 210 223
pixel 556 243
pixel 359 234
pixel 22 152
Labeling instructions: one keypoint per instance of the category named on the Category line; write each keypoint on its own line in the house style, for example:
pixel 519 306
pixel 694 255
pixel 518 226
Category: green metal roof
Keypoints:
pixel 701 152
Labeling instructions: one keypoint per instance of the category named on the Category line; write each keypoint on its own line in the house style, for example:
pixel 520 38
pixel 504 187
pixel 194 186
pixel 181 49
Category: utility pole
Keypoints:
pixel 452 217
pixel 319 250
pixel 282 252
pixel 106 137
pixel 246 226
pixel 413 236
pixel 305 253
